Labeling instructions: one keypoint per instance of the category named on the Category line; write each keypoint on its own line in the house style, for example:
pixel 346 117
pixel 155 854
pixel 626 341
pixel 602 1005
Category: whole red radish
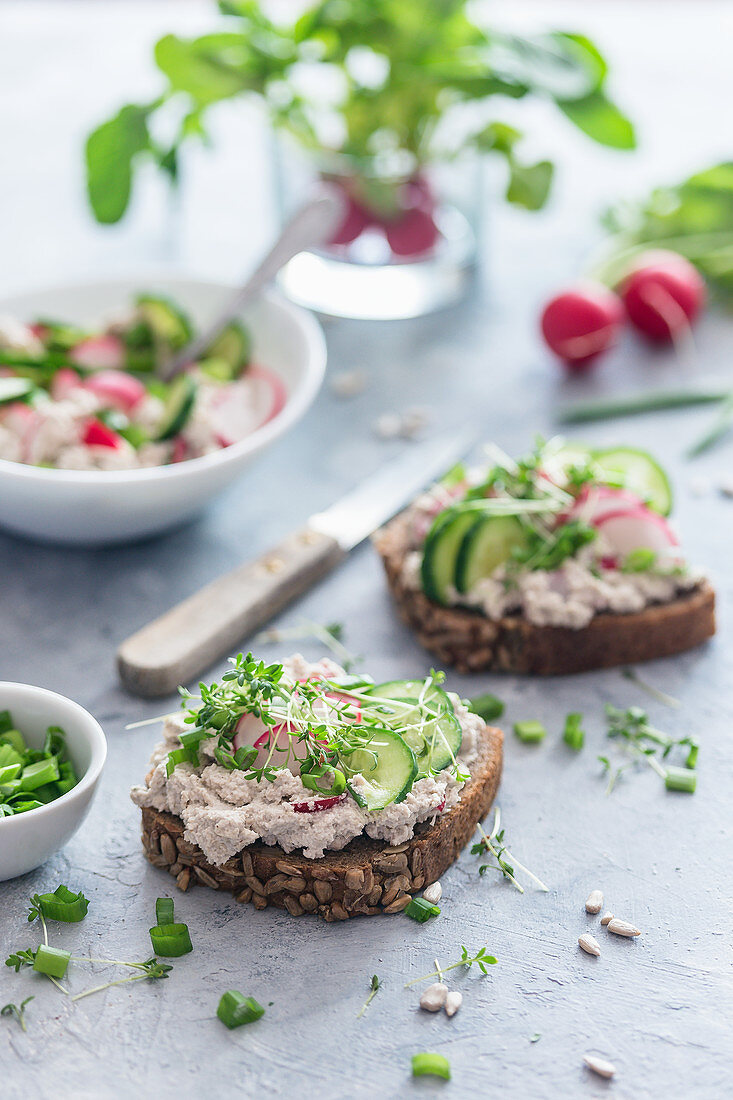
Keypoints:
pixel 354 221
pixel 663 294
pixel 580 324
pixel 413 234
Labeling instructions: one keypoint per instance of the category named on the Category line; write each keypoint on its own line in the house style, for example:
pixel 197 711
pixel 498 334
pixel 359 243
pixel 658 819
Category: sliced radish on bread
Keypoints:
pixel 637 528
pixel 596 501
pixel 319 804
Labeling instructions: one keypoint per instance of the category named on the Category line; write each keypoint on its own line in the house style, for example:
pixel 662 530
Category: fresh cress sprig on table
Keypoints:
pixel 496 848
pixel 17 1011
pixel 642 741
pixel 374 986
pixel 482 959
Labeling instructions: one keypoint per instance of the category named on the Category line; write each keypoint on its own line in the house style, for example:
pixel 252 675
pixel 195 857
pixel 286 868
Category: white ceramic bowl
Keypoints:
pixel 27 840
pixel 95 508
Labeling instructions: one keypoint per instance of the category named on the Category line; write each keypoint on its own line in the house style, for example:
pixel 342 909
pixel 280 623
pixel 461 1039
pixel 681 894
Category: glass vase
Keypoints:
pixel 407 243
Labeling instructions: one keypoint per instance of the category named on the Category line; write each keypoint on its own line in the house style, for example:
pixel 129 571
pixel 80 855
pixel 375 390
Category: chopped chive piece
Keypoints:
pixel 680 779
pixel 10 771
pixel 235 1009
pixel 51 961
pixel 171 940
pixel 62 905
pixel 691 761
pixel 531 732
pixel 164 911
pixel 573 735
pixel 433 1065
pixel 14 738
pixel 487 706
pixel 421 910
pixel 38 774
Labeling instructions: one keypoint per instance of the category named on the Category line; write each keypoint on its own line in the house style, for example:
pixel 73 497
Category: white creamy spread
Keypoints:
pixel 223 812
pixel 569 596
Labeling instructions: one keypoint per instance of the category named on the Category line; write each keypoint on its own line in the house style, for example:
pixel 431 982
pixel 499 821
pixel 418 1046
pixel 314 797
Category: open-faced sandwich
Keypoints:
pixel 299 786
pixel 559 562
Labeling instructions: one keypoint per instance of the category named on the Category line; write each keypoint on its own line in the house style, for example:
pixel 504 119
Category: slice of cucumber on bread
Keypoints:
pixel 367 877
pixel 470 641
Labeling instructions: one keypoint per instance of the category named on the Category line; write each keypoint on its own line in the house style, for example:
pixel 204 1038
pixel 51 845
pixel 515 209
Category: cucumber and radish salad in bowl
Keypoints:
pixel 92 398
pixel 561 560
pixel 297 771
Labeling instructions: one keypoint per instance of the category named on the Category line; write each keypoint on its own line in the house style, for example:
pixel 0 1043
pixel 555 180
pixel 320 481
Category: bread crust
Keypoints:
pixel 366 877
pixel 469 641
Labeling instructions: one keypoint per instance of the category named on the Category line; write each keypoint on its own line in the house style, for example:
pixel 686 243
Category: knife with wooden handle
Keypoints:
pixel 211 623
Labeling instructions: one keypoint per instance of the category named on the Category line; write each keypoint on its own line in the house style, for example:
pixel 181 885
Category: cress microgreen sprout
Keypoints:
pixel 481 959
pixel 493 844
pixel 17 1011
pixel 374 986
pixel 642 741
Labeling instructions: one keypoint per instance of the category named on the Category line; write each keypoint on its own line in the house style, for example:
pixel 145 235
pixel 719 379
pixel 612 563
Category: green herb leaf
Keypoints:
pixel 110 152
pixel 421 910
pixel 17 1011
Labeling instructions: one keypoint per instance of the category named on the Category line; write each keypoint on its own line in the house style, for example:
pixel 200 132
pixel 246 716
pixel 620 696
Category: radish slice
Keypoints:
pixel 596 501
pixel 98 352
pixel 319 804
pixel 180 449
pixel 253 733
pixel 115 387
pixel 64 382
pixel 97 434
pixel 636 528
pixel 23 421
pixel 243 406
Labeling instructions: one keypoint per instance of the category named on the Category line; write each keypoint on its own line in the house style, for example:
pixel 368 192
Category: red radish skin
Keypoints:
pixel 180 449
pixel 243 406
pixel 635 529
pixel 97 434
pixel 319 804
pixel 277 386
pixel 413 235
pixel 355 221
pixel 580 324
pixel 663 297
pixel 99 352
pixel 609 561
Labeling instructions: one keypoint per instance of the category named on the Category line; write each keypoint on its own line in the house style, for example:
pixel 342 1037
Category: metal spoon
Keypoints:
pixel 311 225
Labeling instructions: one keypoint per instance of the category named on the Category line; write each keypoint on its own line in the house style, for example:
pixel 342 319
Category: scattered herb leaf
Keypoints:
pixel 17 1011
pixel 374 988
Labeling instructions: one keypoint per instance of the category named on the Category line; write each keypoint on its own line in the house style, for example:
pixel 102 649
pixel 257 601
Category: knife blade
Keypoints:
pixel 209 624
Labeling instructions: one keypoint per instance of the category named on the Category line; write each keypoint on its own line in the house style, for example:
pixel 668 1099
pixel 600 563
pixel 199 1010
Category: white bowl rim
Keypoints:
pixel 292 411
pixel 93 732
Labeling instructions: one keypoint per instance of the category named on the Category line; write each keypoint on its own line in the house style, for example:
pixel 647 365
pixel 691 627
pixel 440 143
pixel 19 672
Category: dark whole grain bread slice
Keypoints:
pixel 367 877
pixel 469 641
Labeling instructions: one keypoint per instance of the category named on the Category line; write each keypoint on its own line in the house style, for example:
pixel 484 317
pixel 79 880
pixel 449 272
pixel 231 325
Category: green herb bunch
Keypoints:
pixel 406 83
pixel 644 742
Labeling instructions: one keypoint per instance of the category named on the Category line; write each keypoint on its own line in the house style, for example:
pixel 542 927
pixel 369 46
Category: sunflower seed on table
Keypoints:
pixel 594 902
pixel 433 893
pixel 388 426
pixel 599 1066
pixel 589 944
pixel 606 919
pixel 622 928
pixel 349 383
pixel 453 1002
pixel 434 997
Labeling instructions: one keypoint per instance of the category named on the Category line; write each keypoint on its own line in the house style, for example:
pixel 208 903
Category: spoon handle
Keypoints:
pixel 310 226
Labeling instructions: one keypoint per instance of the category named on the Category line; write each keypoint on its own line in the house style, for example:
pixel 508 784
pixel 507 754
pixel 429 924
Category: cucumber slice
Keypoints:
pixel 169 325
pixel 15 389
pixel 570 454
pixel 639 472
pixel 440 552
pixel 178 407
pixel 234 346
pixel 388 766
pixel 486 545
pixel 432 730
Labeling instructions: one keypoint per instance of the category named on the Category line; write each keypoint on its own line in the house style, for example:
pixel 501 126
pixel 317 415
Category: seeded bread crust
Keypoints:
pixel 367 877
pixel 469 641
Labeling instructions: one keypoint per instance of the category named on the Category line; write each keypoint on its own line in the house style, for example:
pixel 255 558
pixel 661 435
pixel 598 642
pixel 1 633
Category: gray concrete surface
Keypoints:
pixel 659 1007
